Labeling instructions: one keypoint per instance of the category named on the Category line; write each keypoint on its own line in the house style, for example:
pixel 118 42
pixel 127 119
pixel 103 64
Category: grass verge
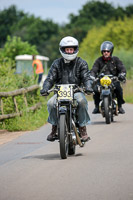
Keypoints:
pixel 34 120
pixel 128 91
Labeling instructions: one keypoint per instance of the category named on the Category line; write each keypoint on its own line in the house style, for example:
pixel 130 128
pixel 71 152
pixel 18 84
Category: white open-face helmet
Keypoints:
pixel 69 42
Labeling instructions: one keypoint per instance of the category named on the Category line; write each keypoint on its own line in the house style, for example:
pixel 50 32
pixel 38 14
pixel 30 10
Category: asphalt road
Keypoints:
pixel 31 168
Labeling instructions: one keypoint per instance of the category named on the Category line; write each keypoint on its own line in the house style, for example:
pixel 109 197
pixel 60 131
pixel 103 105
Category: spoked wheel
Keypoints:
pixel 72 141
pixel 107 110
pixel 63 137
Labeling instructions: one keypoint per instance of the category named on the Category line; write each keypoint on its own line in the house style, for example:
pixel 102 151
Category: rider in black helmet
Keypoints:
pixel 107 46
pixel 109 64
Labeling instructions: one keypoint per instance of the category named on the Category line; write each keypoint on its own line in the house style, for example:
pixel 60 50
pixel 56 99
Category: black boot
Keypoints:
pixel 52 136
pixel 121 110
pixel 83 134
pixel 96 110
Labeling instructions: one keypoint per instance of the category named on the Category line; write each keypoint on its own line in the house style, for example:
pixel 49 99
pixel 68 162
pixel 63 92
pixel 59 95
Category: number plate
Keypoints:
pixel 105 81
pixel 65 92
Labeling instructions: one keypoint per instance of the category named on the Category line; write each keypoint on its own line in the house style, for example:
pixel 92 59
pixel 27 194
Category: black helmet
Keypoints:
pixel 107 45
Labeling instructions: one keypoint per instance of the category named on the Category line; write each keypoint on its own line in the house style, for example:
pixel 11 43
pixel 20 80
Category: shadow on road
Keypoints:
pixel 98 123
pixel 49 156
pixel 44 157
pixel 101 122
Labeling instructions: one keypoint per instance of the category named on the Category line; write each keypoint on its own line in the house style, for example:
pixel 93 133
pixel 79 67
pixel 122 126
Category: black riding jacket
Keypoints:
pixel 75 72
pixel 114 66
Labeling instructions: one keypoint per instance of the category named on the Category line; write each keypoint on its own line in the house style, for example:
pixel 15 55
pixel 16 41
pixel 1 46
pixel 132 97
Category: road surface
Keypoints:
pixel 31 167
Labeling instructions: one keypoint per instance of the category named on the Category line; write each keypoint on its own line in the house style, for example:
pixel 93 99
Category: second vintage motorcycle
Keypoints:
pixel 108 106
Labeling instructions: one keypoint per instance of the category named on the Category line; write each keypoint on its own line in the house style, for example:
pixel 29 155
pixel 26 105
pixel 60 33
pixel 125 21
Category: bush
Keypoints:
pixel 15 46
pixel 127 59
pixel 120 33
pixel 128 91
pixel 10 81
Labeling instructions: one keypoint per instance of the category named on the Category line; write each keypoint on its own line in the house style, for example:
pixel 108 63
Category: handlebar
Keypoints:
pixel 113 78
pixel 77 89
pixel 52 90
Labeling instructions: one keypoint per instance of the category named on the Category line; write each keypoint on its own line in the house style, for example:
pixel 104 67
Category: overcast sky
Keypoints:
pixel 57 10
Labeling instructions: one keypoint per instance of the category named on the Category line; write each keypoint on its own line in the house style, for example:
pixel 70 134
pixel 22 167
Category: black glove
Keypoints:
pixel 44 92
pixel 122 77
pixel 101 75
pixel 92 78
pixel 88 90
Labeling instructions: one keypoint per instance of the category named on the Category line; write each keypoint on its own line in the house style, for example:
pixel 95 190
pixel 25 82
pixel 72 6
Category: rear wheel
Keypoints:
pixel 71 149
pixel 107 110
pixel 112 112
pixel 63 136
pixel 112 117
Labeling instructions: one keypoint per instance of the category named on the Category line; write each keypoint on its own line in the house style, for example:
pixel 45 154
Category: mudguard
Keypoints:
pixel 105 92
pixel 62 110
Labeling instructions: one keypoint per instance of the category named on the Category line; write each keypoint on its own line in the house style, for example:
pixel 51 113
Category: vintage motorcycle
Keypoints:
pixel 108 105
pixel 68 133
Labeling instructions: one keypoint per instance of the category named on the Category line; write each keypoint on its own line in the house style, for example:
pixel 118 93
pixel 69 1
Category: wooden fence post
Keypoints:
pixel 13 94
pixel 25 100
pixel 1 105
pixel 15 103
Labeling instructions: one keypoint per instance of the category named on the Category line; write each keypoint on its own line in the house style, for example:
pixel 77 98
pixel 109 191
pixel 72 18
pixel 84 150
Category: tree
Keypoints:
pixel 8 17
pixel 46 35
pixel 129 11
pixel 94 14
pixel 35 31
pixel 119 32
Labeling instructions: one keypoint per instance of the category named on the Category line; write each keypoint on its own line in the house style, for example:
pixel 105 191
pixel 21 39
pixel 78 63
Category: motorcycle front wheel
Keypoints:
pixel 107 110
pixel 63 136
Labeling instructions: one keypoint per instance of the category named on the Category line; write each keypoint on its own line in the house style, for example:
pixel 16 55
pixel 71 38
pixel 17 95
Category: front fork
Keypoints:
pixel 81 144
pixel 105 93
pixel 71 127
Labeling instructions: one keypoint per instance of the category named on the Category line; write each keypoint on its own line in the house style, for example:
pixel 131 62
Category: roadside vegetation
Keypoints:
pixel 25 34
pixel 128 91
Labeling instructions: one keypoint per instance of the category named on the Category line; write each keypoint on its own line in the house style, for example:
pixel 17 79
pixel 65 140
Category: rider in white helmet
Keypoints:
pixel 69 42
pixel 69 69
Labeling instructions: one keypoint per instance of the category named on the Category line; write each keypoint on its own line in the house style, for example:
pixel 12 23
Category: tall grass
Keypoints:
pixel 128 91
pixel 28 121
pixel 127 58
